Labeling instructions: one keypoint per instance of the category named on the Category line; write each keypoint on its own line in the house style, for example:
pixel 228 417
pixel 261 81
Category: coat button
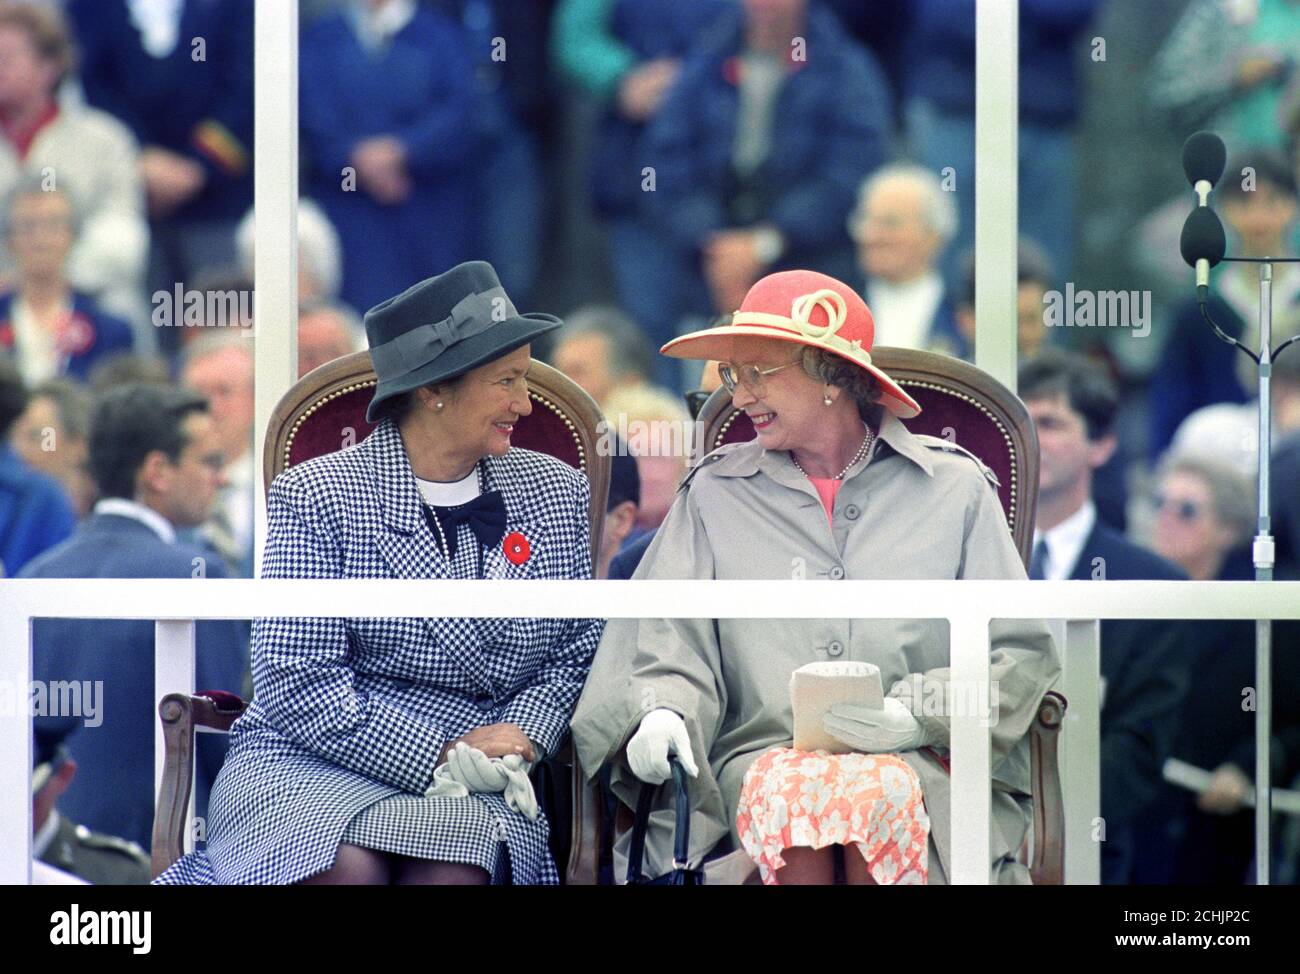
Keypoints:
pixel 836 648
pixel 483 702
pixel 837 573
pixel 852 512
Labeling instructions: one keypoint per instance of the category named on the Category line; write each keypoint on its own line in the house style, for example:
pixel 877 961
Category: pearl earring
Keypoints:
pixel 827 400
pixel 439 406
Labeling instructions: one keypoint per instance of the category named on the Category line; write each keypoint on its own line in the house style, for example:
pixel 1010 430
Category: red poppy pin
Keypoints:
pixel 516 548
pixel 6 335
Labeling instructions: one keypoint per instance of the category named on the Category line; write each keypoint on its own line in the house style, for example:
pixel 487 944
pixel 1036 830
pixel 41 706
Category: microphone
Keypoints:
pixel 1204 156
pixel 1202 243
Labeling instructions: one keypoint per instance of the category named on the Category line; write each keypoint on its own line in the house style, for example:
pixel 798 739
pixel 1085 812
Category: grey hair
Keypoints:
pixel 1232 495
pixel 33 184
pixel 319 248
pixel 856 381
pixel 628 349
pixel 938 209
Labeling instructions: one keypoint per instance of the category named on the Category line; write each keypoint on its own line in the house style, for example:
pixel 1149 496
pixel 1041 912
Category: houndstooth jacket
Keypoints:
pixel 350 711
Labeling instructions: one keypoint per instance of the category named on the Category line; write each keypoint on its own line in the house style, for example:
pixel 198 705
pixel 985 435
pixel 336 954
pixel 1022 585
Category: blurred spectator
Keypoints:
pixel 1226 66
pixel 58 841
pixel 659 431
pixel 602 350
pixel 326 331
pixel 941 113
pixel 507 42
pixel 759 149
pixel 219 365
pixel 1206 514
pixel 156 458
pixel 1144 670
pixel 389 108
pixel 320 258
pixel 626 54
pixel 81 151
pixel 123 369
pixel 34 511
pixel 226 304
pixel 1229 432
pixel 903 221
pixel 621 509
pixel 1196 368
pixel 53 436
pixel 180 75
pixel 49 328
pixel 1033 279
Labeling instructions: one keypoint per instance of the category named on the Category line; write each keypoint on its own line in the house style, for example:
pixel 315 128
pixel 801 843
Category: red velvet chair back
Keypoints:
pixel 959 403
pixel 326 411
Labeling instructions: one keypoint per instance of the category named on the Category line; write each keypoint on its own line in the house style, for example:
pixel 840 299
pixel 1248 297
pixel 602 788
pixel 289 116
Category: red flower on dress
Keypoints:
pixel 6 335
pixel 516 548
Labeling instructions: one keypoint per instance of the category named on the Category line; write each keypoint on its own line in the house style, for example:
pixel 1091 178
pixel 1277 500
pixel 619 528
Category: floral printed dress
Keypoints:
pixel 814 799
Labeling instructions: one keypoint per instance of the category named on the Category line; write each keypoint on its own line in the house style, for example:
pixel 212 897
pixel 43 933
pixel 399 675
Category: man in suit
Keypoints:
pixel 156 460
pixel 1144 664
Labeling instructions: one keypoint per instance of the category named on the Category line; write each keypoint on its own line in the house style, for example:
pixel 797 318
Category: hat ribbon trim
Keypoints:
pixel 472 315
pixel 801 309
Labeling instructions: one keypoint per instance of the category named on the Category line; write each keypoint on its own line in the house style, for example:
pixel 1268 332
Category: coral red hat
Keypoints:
pixel 804 308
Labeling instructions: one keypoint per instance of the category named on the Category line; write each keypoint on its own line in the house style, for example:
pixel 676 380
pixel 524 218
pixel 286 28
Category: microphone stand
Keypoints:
pixel 1262 552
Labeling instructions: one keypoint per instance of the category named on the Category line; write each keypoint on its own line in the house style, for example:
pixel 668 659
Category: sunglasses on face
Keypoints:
pixel 750 376
pixel 1184 510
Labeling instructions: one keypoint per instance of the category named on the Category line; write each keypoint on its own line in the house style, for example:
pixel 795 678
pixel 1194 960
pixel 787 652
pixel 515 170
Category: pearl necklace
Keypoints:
pixel 862 452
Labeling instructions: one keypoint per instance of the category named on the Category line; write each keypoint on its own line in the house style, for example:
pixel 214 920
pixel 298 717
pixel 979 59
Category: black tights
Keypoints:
pixel 358 866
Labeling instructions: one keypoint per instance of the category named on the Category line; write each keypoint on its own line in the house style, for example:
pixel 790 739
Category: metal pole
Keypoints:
pixel 997 50
pixel 1263 555
pixel 275 203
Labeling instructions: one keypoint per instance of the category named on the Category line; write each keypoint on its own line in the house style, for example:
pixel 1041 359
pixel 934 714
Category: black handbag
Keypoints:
pixel 680 875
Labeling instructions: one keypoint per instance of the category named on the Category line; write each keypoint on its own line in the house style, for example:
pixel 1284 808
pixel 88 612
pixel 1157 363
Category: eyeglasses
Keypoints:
pixel 751 376
pixel 1184 510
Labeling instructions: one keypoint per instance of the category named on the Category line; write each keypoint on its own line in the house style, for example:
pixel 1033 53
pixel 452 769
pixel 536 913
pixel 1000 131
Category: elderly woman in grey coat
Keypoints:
pixel 834 486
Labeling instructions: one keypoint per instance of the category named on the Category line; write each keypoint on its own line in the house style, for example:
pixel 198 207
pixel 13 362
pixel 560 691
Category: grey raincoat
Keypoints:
pixel 916 507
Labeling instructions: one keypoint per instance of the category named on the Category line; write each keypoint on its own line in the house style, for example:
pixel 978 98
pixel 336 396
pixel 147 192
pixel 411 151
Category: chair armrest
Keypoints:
pixel 180 713
pixel 1048 865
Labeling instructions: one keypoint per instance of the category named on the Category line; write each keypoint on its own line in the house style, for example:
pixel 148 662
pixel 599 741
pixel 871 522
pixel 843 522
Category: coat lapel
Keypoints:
pixel 407 543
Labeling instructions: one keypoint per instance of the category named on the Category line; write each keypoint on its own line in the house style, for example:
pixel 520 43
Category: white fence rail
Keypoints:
pixel 968 606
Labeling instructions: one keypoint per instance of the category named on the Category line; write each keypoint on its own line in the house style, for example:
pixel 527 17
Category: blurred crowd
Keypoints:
pixel 634 166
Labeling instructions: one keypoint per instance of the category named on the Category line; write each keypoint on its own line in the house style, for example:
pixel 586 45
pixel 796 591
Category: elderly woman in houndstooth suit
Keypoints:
pixel 397 750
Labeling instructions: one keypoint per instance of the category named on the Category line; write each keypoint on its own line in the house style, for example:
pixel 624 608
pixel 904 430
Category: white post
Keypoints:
pixel 997 48
pixel 173 672
pixel 971 752
pixel 275 201
pixel 1081 750
pixel 16 752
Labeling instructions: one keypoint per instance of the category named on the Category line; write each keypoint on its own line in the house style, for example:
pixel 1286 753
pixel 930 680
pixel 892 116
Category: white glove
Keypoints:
pixel 661 733
pixel 468 769
pixel 890 729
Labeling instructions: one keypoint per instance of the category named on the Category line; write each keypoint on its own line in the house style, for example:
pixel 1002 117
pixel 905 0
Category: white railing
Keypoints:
pixel 967 605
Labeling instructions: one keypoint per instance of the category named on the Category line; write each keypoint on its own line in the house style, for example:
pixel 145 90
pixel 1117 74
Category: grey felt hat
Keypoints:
pixel 443 327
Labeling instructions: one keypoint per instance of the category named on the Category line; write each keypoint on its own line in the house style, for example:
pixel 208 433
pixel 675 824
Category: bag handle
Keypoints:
pixel 681 830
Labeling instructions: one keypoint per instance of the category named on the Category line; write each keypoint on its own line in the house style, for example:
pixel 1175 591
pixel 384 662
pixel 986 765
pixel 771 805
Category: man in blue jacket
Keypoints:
pixel 390 113
pixel 1145 665
pixel 154 457
pixel 758 151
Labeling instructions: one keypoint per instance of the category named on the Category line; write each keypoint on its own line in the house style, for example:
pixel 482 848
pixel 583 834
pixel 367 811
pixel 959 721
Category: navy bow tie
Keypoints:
pixel 485 515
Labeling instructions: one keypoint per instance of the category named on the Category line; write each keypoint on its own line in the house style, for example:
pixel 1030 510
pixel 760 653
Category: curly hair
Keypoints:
pixel 856 381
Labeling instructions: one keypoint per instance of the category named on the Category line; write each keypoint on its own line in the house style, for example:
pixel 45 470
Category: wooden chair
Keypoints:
pixel 326 411
pixel 965 405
